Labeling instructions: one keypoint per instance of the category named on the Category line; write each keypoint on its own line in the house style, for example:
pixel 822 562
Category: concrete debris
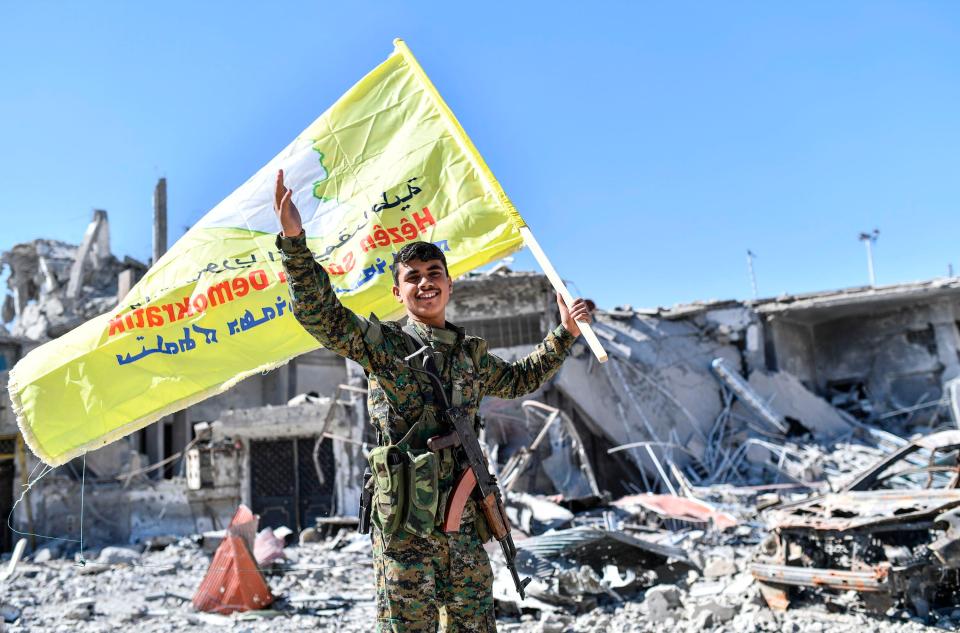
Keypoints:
pixel 14 560
pixel 160 542
pixel 311 397
pixel 46 554
pixel 711 613
pixel 576 567
pixel 535 514
pixel 283 533
pixel 135 597
pixel 309 535
pixel 80 609
pixel 584 580
pixel 750 398
pixel 9 613
pixel 719 567
pixel 662 602
pixel 55 286
pixel 118 556
pixel 555 623
pixel 553 454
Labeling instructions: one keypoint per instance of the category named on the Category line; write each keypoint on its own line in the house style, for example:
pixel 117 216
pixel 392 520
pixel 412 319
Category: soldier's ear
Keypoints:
pixel 396 294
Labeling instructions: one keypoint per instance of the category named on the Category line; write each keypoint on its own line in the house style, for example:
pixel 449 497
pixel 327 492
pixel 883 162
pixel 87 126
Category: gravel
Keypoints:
pixel 330 587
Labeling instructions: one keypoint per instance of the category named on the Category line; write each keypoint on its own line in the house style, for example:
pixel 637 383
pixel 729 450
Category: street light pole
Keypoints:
pixel 753 276
pixel 869 239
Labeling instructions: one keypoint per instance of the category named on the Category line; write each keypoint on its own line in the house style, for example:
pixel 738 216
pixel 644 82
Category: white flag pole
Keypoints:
pixel 561 287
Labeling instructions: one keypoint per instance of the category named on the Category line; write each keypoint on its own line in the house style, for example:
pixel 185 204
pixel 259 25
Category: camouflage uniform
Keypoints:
pixel 420 575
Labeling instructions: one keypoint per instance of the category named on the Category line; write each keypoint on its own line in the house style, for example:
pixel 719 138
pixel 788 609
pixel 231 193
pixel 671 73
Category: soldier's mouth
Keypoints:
pixel 423 296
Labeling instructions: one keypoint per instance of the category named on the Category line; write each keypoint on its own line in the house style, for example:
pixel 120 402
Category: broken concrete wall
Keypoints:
pixel 500 294
pixel 11 350
pixel 319 371
pixel 894 355
pixel 511 310
pixel 900 357
pixel 871 351
pixel 791 349
pixel 114 459
pixel 259 390
pixel 113 513
pixel 741 326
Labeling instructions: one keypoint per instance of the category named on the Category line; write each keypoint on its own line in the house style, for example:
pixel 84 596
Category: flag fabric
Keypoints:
pixel 387 164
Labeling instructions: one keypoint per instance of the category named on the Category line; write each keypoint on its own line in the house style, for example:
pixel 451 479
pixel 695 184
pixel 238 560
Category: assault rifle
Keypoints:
pixel 476 475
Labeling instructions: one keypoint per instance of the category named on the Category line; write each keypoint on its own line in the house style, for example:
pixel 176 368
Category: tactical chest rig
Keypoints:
pixel 406 494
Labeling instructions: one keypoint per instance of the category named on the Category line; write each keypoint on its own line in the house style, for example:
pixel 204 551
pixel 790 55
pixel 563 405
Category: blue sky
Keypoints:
pixel 649 145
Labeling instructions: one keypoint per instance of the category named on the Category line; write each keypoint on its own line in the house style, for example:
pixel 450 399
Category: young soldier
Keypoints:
pixel 419 569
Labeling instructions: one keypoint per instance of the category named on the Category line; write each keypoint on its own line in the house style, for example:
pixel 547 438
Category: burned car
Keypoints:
pixel 892 534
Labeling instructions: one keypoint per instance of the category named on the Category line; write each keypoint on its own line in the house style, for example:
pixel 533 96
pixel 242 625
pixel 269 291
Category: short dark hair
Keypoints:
pixel 423 251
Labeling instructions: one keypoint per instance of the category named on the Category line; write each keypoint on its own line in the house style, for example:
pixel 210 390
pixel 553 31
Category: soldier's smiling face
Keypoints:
pixel 424 290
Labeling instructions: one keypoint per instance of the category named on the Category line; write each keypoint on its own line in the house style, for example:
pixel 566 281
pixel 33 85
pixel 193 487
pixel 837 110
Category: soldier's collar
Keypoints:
pixel 447 335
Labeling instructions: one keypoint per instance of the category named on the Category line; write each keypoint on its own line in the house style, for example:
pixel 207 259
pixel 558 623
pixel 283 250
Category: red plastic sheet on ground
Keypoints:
pixel 680 508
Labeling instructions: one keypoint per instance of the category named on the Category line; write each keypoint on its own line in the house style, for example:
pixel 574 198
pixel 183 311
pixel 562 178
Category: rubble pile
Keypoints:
pixel 328 585
pixel 325 585
pixel 785 464
pixel 714 553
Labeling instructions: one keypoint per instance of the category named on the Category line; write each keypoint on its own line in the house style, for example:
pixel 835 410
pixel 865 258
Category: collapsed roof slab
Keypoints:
pixel 791 399
pixel 820 307
pixel 657 387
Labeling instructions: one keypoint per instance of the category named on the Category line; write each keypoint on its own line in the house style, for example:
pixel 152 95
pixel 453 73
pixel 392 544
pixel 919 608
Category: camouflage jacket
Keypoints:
pixel 395 400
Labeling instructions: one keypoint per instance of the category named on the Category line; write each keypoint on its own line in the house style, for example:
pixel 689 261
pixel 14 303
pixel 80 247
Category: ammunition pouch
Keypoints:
pixel 407 491
pixel 423 493
pixel 389 492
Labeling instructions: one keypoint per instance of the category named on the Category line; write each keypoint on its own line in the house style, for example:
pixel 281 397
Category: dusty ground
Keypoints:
pixel 331 589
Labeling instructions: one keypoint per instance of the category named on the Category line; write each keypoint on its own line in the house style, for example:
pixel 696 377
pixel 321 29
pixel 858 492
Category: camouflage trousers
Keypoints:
pixel 423 582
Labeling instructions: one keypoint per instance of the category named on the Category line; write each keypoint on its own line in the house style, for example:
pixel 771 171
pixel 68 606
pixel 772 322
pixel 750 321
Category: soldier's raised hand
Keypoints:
pixel 286 211
pixel 579 311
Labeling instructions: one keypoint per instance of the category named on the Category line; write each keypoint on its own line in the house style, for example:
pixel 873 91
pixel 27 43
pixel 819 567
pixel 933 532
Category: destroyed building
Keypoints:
pixel 704 414
pixel 692 394
pixel 811 365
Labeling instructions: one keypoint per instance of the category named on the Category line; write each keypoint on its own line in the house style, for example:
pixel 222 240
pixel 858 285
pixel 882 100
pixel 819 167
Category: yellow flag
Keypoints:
pixel 387 164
